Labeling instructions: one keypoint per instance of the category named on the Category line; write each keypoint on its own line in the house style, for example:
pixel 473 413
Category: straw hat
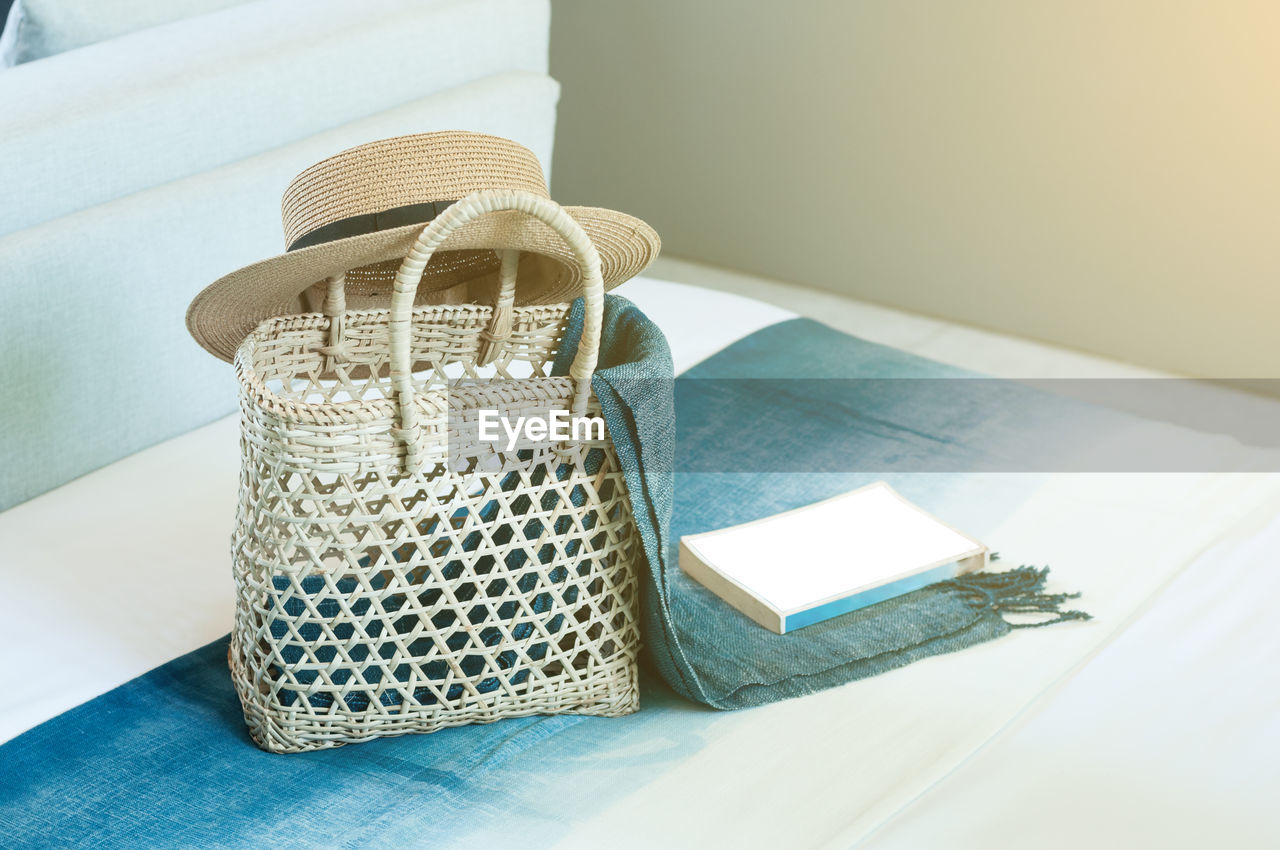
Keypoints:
pixel 359 213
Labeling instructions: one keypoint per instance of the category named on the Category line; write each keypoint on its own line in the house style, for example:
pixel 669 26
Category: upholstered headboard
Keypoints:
pixel 138 170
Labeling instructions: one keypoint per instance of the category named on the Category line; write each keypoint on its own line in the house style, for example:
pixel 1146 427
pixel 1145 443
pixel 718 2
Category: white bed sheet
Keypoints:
pixel 827 770
pixel 134 577
pixel 1170 738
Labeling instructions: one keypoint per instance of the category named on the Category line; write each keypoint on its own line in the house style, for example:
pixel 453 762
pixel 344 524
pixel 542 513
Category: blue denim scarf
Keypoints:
pixel 666 433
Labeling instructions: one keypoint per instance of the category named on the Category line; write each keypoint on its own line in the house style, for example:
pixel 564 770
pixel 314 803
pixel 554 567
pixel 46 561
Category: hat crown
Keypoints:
pixel 405 171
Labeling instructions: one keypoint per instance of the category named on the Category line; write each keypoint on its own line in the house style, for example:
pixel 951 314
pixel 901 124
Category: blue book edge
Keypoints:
pixel 867 598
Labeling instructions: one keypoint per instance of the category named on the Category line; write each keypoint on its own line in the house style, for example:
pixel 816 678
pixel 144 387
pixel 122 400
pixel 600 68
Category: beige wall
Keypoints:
pixel 1103 174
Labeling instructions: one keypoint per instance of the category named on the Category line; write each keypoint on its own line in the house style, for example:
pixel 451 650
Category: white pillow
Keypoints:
pixel 91 125
pixel 39 28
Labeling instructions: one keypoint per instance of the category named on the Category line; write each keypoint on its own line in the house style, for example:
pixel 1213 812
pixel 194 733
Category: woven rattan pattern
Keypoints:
pixel 374 602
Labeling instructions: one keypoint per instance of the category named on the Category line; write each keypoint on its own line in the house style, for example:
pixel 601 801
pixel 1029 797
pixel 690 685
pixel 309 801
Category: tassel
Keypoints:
pixel 1018 591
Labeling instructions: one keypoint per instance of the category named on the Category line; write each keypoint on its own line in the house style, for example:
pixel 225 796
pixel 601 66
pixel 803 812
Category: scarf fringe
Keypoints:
pixel 1017 591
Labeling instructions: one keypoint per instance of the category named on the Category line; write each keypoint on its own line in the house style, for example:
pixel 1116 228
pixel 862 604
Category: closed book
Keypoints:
pixel 813 563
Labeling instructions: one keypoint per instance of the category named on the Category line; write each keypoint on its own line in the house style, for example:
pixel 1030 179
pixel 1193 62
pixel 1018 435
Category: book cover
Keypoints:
pixel 807 565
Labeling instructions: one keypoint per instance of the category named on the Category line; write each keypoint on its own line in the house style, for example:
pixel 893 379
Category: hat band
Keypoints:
pixel 365 223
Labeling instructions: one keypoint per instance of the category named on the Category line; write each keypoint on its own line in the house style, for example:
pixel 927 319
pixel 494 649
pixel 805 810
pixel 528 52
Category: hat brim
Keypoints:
pixel 230 308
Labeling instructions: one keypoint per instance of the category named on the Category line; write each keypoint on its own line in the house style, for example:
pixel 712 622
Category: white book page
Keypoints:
pixel 844 545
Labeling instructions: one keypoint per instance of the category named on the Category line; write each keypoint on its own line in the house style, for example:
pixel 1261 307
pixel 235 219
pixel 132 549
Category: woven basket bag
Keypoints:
pixel 386 585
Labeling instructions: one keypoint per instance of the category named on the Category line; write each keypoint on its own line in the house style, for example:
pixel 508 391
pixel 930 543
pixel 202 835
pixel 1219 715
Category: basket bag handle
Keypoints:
pixel 429 241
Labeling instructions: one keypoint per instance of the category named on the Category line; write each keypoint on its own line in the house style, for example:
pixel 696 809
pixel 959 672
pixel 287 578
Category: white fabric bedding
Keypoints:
pixel 1170 738
pixel 1067 723
pixel 826 770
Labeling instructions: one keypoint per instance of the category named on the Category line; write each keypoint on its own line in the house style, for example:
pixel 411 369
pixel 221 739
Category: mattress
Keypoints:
pixel 1127 728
